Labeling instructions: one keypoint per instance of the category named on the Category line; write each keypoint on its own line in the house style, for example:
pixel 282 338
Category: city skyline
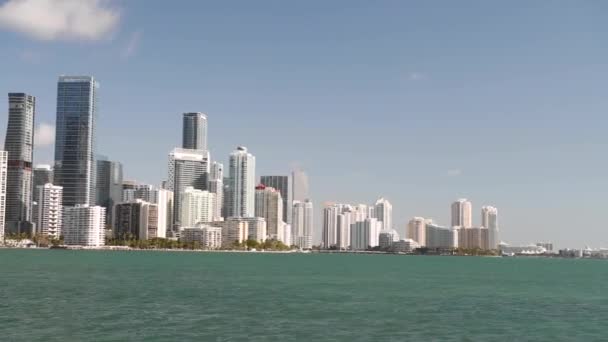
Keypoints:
pixel 512 150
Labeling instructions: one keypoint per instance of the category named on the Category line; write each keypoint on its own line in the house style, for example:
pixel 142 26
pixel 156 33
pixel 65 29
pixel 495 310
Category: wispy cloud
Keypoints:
pixel 416 76
pixel 130 49
pixel 454 172
pixel 44 135
pixel 60 19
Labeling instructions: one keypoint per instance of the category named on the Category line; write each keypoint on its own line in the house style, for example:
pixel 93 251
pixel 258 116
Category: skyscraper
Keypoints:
pixel 77 99
pixel 299 185
pixel 42 174
pixel 329 232
pixel 302 224
pixel 461 213
pixel 19 144
pixel 216 186
pixel 282 184
pixel 197 206
pixel 187 168
pixel 109 186
pixel 269 205
pixel 416 230
pixel 136 220
pixel 489 220
pixel 50 210
pixel 365 234
pixel 3 167
pixel 383 211
pixel 194 133
pixel 242 183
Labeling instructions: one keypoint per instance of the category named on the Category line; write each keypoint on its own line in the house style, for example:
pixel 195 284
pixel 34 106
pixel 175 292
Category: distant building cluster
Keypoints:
pixel 84 200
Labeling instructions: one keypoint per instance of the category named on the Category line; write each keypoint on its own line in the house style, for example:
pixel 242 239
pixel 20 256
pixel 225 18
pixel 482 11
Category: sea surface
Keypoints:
pixel 61 295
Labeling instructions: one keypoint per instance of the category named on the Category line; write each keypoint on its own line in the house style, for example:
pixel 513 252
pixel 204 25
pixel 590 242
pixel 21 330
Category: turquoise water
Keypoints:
pixel 180 296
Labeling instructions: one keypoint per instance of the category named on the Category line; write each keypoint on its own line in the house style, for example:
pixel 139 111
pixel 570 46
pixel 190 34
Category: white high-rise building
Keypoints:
pixel 3 171
pixel 216 186
pixel 285 234
pixel 345 219
pixel 234 230
pixel 164 201
pixel 416 230
pixel 269 205
pixel 50 209
pixel 187 168
pixel 242 183
pixel 462 213
pixel 489 220
pixel 302 224
pixel 383 211
pixel 364 234
pixel 329 233
pixel 197 206
pixel 256 228
pixel 440 237
pixel 84 225
pixel 387 238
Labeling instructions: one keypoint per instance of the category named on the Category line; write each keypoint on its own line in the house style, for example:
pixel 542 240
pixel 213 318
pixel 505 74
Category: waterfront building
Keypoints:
pixel 109 185
pixel 329 232
pixel 216 186
pixel 234 230
pixel 77 100
pixel 440 237
pixel 194 132
pixel 207 236
pixel 302 224
pixel 345 219
pixel 473 238
pixel 546 245
pixel 49 199
pixel 164 202
pixel 3 171
pixel 269 205
pixel 19 144
pixel 187 168
pixel 281 184
pixel 489 219
pixel 364 234
pixel 383 211
pixel 242 183
pixel 461 214
pixel 387 238
pixel 83 225
pixel 43 174
pixel 416 230
pixel 521 250
pixel 284 234
pixel 197 206
pixel 405 246
pixel 257 229
pixel 136 220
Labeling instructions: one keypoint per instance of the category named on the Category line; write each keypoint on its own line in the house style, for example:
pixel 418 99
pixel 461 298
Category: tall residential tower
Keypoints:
pixel 194 133
pixel 242 183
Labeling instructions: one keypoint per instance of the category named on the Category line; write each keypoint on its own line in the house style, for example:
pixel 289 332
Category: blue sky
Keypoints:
pixel 422 102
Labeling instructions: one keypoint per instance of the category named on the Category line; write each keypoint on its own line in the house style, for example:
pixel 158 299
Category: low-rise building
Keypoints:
pixel 207 236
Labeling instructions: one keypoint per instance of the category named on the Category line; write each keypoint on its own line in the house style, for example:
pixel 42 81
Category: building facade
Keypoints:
pixel 197 206
pixel 43 174
pixel 216 186
pixel 234 230
pixel 77 99
pixel 364 234
pixel 19 144
pixel 84 225
pixel 3 171
pixel 269 205
pixel 416 230
pixel 242 183
pixel 49 201
pixel 109 185
pixel 136 220
pixel 207 236
pixel 302 224
pixel 194 132
pixel 461 213
pixel 383 211
pixel 489 219
pixel 387 238
pixel 282 184
pixel 187 168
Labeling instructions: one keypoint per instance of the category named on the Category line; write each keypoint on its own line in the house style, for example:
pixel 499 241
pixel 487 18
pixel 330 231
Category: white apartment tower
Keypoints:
pixel 489 220
pixel 383 211
pixel 242 183
pixel 216 186
pixel 329 233
pixel 49 200
pixel 462 213
pixel 84 225
pixel 364 234
pixel 302 224
pixel 3 170
pixel 197 206
pixel 269 205
pixel 416 230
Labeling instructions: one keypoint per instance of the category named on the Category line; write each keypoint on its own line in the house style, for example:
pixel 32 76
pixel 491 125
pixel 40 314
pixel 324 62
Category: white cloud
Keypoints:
pixel 44 135
pixel 60 19
pixel 454 172
pixel 416 76
pixel 132 45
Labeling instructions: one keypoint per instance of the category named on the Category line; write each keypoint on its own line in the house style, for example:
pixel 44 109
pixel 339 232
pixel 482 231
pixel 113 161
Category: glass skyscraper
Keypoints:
pixel 75 139
pixel 109 185
pixel 19 144
pixel 194 134
pixel 281 183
